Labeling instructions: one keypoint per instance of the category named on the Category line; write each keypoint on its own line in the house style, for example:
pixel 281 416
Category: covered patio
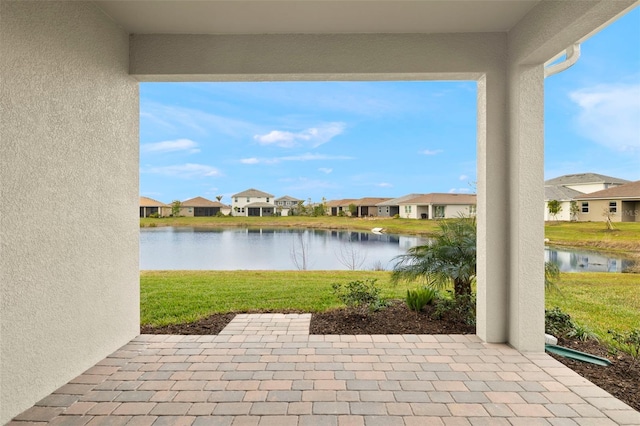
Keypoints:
pixel 69 138
pixel 265 369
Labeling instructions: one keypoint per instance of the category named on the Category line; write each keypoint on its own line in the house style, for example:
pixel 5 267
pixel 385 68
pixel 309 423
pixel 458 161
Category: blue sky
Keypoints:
pixel 379 139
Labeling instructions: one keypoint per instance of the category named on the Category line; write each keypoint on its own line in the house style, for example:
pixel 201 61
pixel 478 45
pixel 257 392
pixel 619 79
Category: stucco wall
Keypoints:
pixel 597 209
pixel 69 196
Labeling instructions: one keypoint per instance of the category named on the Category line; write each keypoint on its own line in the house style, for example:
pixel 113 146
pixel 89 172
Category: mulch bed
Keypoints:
pixel 622 379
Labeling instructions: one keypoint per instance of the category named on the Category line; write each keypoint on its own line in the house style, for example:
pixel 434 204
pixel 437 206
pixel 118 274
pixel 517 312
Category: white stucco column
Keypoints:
pixel 526 207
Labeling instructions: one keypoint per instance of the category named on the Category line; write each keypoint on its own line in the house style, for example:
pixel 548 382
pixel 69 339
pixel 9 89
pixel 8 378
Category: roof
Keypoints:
pixel 202 202
pixel 583 179
pixel 338 203
pixel 442 198
pixel 369 201
pixel 150 202
pixel 315 17
pixel 629 190
pixel 396 201
pixel 287 198
pixel 260 204
pixel 560 193
pixel 251 192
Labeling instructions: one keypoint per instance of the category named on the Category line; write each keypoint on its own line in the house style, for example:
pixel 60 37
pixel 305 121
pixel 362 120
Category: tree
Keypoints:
pixel 175 208
pixel 554 207
pixel 219 198
pixel 450 256
pixel 574 210
pixel 353 209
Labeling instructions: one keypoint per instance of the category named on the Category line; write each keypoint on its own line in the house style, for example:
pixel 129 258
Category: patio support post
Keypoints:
pixel 526 207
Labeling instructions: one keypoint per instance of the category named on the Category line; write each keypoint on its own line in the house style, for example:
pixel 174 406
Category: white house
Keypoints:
pixel 567 187
pixel 253 202
pixel 285 204
pixel 70 117
pixel 438 206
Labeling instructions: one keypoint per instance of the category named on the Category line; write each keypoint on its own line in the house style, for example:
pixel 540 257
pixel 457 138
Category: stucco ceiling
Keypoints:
pixel 315 16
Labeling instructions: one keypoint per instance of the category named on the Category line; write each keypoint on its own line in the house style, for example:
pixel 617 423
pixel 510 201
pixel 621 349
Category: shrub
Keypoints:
pixel 360 295
pixel 628 342
pixel 396 216
pixel 154 215
pixel 220 214
pixel 557 323
pixel 420 297
pixel 582 332
pixel 461 308
pixel 152 225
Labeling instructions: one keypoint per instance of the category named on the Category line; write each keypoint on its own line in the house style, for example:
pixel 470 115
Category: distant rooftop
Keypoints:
pixel 251 192
pixel 629 190
pixel 442 198
pixel 560 193
pixel 287 198
pixel 584 178
pixel 150 202
pixel 396 201
pixel 201 202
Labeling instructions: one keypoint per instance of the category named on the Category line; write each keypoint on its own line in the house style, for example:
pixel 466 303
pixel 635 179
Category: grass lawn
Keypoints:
pixel 625 238
pixel 171 297
pixel 601 301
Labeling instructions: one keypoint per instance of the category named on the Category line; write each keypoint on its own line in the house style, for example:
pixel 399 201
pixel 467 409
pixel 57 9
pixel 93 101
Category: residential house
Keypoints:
pixel 391 207
pixel 438 206
pixel 367 207
pixel 337 207
pixel 286 204
pixel 619 203
pixel 149 206
pixel 199 206
pixel 567 187
pixel 564 196
pixel 253 202
pixel 586 183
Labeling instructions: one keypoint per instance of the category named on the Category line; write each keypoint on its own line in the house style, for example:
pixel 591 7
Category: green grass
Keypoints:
pixel 626 236
pixel 601 301
pixel 172 297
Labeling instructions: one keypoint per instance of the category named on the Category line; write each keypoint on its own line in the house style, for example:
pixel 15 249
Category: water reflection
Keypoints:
pixel 268 248
pixel 585 261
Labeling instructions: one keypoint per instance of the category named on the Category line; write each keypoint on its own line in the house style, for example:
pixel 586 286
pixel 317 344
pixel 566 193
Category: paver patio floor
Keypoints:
pixel 265 369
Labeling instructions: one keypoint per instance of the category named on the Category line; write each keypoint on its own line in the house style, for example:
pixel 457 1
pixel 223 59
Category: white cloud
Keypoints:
pixel 610 115
pixel 251 160
pixel 187 145
pixel 185 171
pixel 313 137
pixel 384 185
pixel 325 170
pixel 302 157
pixel 459 190
pixel 430 151
pixel 463 177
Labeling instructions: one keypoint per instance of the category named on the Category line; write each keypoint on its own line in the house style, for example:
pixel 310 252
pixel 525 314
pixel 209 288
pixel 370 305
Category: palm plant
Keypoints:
pixel 450 257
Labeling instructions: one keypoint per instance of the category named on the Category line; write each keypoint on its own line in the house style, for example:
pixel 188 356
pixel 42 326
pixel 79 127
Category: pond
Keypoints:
pixel 269 249
pixel 174 248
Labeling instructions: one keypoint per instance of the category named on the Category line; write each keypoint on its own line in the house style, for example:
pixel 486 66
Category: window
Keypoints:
pixel 613 206
pixel 267 199
pixel 242 210
pixel 236 200
pixel 438 212
pixel 585 207
pixel 472 209
pixel 248 200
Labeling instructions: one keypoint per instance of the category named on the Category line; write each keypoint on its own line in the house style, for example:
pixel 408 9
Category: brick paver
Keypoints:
pixel 265 369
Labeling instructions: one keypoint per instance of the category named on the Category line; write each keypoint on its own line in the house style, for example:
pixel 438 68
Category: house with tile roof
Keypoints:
pixel 149 206
pixel 367 206
pixel 338 207
pixel 391 207
pixel 286 204
pixel 566 188
pixel 620 203
pixel 200 207
pixel 438 206
pixel 253 202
